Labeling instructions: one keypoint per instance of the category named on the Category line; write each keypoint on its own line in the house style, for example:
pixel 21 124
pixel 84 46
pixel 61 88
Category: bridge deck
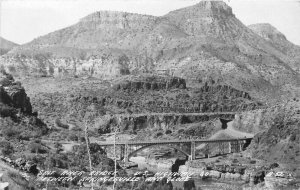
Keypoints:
pixel 111 143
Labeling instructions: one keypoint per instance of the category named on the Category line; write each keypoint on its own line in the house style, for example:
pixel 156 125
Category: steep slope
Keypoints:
pixel 204 42
pixel 280 142
pixel 218 32
pixel 6 45
pixel 279 41
pixel 16 117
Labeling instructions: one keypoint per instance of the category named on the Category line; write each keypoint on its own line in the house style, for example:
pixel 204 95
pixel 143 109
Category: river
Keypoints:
pixel 162 166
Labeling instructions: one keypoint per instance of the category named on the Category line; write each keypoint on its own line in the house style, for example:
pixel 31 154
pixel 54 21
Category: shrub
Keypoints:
pixel 10 133
pixel 73 137
pixel 158 134
pixel 58 123
pixel 6 111
pixel 36 148
pixel 6 148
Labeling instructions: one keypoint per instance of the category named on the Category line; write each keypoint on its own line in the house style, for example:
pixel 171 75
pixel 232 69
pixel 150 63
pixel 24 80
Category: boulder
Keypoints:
pixel 4 186
pixel 215 174
pixel 236 176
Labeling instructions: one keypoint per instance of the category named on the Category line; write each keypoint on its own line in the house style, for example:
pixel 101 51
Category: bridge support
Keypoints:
pixel 126 153
pixel 193 151
pixel 122 152
pixel 207 150
pixel 221 148
pixel 235 146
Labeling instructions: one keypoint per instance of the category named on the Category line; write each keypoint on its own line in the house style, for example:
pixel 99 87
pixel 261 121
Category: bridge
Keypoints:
pixel 208 146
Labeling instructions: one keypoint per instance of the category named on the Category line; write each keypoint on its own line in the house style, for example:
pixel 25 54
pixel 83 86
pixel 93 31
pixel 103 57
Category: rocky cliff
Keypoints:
pixel 16 117
pixel 279 143
pixel 13 94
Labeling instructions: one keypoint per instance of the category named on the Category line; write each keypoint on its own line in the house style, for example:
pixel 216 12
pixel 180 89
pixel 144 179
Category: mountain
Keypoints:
pixel 279 41
pixel 200 43
pixel 6 45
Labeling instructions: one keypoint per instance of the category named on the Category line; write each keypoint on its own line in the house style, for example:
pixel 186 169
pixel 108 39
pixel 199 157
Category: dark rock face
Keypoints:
pixel 279 143
pixel 13 94
pixel 225 90
pixel 152 84
pixel 132 123
pixel 19 99
pixel 229 169
pixel 4 97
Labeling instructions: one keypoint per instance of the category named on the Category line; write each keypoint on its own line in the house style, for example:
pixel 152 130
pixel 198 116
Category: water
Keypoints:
pixel 203 184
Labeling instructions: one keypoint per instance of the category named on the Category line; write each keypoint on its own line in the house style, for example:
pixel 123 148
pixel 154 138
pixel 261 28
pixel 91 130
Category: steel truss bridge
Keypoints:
pixel 221 146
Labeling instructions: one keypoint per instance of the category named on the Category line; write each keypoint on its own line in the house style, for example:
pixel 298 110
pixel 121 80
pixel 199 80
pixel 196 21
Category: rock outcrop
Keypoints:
pixel 13 94
pixel 151 83
pixel 17 121
pixel 151 122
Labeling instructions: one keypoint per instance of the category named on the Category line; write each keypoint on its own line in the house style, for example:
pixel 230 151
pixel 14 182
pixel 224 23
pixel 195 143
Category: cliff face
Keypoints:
pixel 16 118
pixel 204 40
pixel 279 143
pixel 278 139
pixel 205 18
pixel 13 94
pixel 122 20
pixel 150 83
pixel 155 122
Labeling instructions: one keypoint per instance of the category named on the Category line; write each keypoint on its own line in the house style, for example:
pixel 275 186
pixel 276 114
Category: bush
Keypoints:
pixel 189 185
pixel 6 111
pixel 6 148
pixel 58 123
pixel 37 148
pixel 158 134
pixel 73 137
pixel 10 133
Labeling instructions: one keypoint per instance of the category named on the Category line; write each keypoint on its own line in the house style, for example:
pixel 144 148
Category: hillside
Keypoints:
pixel 6 46
pixel 279 41
pixel 195 43
pixel 280 141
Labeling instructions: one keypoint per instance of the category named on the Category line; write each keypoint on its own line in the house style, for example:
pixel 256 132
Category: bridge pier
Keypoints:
pixel 221 148
pixel 122 152
pixel 193 151
pixel 126 153
pixel 207 150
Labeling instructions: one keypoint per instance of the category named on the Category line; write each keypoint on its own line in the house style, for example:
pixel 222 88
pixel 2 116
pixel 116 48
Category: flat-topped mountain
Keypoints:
pixel 6 45
pixel 198 43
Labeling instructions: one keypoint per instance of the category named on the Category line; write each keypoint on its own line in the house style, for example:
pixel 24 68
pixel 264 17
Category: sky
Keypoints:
pixel 23 20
